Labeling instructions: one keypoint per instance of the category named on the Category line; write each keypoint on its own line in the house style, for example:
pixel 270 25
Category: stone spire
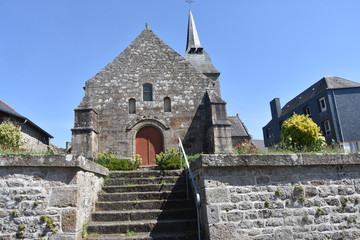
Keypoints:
pixel 193 42
pixel 195 53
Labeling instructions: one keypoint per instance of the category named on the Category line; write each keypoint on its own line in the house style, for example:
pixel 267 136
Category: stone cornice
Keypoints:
pixel 56 161
pixel 275 160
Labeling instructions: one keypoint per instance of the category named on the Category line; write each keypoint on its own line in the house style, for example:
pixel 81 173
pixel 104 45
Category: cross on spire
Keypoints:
pixel 189 2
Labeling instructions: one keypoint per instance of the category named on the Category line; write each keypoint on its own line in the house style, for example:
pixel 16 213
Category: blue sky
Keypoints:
pixel 263 49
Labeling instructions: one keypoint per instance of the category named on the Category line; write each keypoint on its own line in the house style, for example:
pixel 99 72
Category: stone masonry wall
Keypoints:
pixel 280 197
pixel 46 197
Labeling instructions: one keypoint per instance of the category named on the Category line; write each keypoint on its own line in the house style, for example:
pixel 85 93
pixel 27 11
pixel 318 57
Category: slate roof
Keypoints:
pixel 320 86
pixel 260 145
pixel 6 108
pixel 195 52
pixel 238 128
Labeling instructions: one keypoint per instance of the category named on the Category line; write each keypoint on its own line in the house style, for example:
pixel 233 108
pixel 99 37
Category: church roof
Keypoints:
pixel 320 86
pixel 6 108
pixel 238 128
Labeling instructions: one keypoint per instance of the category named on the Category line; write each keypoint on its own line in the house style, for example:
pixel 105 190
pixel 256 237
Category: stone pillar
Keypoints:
pixel 220 129
pixel 84 134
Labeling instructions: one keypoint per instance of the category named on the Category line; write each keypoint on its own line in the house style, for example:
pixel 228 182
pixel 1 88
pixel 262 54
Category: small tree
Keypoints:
pixel 300 133
pixel 9 134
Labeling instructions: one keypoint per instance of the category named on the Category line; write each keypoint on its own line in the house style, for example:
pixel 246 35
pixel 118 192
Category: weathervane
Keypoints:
pixel 189 2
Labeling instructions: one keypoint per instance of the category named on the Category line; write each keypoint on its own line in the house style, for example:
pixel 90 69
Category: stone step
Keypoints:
pixel 144 188
pixel 137 196
pixel 147 204
pixel 146 236
pixel 106 216
pixel 140 181
pixel 153 226
pixel 145 174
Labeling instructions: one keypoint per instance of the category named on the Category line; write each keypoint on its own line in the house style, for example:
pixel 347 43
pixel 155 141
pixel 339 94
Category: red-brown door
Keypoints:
pixel 149 142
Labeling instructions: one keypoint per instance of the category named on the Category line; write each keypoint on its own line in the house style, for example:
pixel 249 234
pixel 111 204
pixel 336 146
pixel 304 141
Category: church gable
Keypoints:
pixel 148 84
pixel 146 60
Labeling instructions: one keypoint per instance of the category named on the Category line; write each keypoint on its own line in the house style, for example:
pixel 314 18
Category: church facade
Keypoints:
pixel 148 97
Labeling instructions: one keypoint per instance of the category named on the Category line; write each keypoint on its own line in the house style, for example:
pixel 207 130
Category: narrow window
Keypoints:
pixel 327 127
pixel 307 111
pixel 268 133
pixel 322 104
pixel 147 92
pixel 167 104
pixel 132 106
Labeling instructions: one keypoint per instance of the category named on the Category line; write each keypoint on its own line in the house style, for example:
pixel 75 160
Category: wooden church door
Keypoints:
pixel 149 142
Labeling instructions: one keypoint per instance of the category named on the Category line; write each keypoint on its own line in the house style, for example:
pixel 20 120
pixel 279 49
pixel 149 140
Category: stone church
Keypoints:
pixel 148 97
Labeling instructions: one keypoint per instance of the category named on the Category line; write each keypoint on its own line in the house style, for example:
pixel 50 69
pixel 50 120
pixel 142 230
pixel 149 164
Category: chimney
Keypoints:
pixel 275 108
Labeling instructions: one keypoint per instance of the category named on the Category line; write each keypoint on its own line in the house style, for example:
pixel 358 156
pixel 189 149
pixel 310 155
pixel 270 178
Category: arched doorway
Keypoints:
pixel 149 142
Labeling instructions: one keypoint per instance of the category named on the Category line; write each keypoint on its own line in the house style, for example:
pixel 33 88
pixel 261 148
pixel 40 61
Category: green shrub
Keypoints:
pixel 300 133
pixel 9 135
pixel 192 158
pixel 169 160
pixel 111 162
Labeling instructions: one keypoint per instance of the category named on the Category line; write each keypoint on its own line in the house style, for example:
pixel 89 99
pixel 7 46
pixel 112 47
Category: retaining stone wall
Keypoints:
pixel 280 197
pixel 62 189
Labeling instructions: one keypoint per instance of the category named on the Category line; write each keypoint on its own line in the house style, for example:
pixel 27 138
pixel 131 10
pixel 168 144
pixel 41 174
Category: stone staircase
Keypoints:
pixel 144 204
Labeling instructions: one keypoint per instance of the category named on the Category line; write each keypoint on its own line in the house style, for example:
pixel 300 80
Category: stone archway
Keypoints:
pixel 148 143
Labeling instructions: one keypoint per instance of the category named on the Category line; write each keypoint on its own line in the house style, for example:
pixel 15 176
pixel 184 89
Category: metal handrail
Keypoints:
pixel 193 184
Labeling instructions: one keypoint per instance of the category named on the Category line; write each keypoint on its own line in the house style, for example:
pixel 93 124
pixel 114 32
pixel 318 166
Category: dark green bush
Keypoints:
pixel 111 162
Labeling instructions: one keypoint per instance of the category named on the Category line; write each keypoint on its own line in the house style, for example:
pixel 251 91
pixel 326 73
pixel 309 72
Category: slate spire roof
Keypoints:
pixel 323 84
pixel 193 42
pixel 195 53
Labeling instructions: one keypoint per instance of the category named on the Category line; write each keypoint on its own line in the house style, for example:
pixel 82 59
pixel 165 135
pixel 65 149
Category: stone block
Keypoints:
pixel 220 195
pixel 310 192
pixel 64 197
pixel 235 216
pixel 60 236
pixel 283 234
pixel 213 214
pixel 222 231
pixel 69 221
pixel 262 180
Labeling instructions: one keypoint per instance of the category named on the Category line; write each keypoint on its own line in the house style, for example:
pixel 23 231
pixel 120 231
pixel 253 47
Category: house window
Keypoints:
pixel 268 133
pixel 132 106
pixel 147 92
pixel 167 104
pixel 327 127
pixel 322 104
pixel 307 111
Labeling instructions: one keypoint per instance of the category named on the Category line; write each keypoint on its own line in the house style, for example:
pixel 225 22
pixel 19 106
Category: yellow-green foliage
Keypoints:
pixel 9 135
pixel 169 160
pixel 300 133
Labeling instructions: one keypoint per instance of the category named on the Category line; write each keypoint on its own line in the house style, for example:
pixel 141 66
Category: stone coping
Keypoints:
pixel 59 161
pixel 275 160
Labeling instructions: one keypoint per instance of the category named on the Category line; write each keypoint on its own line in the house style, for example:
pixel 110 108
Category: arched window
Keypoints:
pixel 132 106
pixel 167 104
pixel 147 92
